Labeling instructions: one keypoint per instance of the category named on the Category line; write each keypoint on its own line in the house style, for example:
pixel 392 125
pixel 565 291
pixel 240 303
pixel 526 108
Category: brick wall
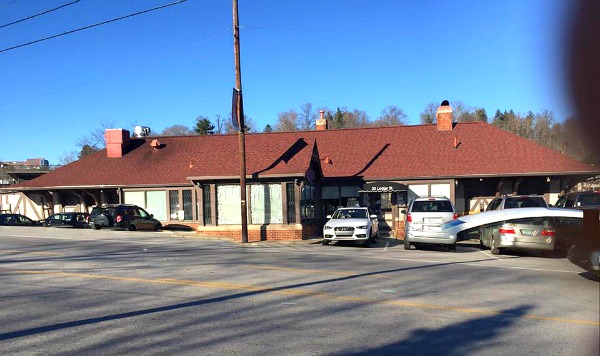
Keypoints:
pixel 399 230
pixel 255 232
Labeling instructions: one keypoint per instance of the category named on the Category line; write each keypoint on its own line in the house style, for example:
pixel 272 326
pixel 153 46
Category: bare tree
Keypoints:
pixel 428 114
pixel 219 124
pixel 287 121
pixel 67 158
pixel 391 116
pixel 95 138
pixel 355 118
pixel 306 121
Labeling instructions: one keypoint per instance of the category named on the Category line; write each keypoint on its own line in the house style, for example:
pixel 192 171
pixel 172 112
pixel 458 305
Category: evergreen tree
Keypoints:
pixel 87 150
pixel 338 120
pixel 203 126
pixel 268 128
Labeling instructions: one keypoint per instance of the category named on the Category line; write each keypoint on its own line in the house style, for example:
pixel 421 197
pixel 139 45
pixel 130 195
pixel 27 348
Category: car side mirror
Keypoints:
pixel 152 216
pixel 328 217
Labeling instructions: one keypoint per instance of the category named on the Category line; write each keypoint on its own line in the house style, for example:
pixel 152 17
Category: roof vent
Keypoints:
pixel 141 131
pixel 156 144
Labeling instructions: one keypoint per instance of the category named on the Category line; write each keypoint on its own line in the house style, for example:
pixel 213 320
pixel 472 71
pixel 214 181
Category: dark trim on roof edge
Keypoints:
pixel 248 176
pixel 591 173
pixel 22 189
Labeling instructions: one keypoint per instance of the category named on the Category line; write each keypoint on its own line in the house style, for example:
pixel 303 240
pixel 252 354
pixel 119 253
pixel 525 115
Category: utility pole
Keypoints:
pixel 240 116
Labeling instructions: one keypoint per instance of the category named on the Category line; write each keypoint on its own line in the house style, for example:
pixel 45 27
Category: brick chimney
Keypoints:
pixel 321 123
pixel 117 142
pixel 443 116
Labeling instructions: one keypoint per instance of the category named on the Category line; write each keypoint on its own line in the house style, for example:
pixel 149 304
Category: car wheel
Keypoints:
pixel 406 244
pixel 131 227
pixel 158 227
pixel 325 242
pixel 452 248
pixel 96 226
pixel 495 250
pixel 367 243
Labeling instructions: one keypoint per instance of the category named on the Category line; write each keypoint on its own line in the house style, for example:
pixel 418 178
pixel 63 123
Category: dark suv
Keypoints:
pixel 579 200
pixel 124 216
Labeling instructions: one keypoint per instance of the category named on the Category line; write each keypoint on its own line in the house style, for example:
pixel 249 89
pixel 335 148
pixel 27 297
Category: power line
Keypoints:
pixel 90 26
pixel 40 14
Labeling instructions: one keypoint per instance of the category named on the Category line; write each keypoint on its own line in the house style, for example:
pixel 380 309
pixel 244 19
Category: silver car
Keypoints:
pixel 535 233
pixel 424 219
pixel 351 224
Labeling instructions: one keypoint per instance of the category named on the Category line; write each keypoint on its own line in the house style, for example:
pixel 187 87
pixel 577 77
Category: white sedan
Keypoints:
pixel 351 224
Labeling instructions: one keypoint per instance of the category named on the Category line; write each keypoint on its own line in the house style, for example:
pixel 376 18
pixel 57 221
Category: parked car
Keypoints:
pixel 351 224
pixel 17 220
pixel 517 201
pixel 578 200
pixel 79 220
pixel 533 233
pixel 514 219
pixel 424 219
pixel 123 216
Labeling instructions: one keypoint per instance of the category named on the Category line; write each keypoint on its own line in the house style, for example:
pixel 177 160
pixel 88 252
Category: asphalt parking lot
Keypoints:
pixel 68 291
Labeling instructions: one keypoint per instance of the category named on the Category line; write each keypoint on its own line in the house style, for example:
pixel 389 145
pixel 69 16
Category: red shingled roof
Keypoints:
pixel 400 152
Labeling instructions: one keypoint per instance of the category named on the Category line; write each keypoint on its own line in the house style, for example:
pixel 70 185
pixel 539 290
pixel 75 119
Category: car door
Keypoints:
pixel 143 219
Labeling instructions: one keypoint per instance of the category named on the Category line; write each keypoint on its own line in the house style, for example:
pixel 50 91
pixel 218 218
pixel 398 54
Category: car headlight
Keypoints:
pixel 362 227
pixel 327 227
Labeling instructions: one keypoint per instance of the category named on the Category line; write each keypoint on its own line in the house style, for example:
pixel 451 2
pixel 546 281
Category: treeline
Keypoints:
pixel 541 127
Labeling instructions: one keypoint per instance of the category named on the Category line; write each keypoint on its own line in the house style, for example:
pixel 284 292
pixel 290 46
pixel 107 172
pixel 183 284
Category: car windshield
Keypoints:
pixel 350 214
pixel 524 202
pixel 429 206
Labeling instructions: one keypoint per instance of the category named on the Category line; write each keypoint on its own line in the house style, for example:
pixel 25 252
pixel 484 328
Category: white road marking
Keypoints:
pixel 387 244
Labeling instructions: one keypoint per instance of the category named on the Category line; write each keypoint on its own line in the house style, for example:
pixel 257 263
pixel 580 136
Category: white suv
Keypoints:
pixel 424 219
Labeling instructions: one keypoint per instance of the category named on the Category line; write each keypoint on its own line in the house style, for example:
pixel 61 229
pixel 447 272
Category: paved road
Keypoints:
pixel 67 291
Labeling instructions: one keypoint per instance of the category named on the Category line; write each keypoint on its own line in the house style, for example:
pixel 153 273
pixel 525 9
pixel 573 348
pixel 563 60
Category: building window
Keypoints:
pixel 229 205
pixel 206 205
pixel 266 204
pixel 290 189
pixel 174 204
pixel 156 204
pixel 153 201
pixel 307 203
pixel 188 204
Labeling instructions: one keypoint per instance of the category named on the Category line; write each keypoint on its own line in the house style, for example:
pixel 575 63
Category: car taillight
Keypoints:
pixel 409 218
pixel 548 233
pixel 119 218
pixel 454 216
pixel 507 230
pixel 87 219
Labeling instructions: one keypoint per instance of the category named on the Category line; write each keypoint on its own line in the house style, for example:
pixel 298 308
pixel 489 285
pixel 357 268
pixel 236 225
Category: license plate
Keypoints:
pixel 529 232
pixel 432 228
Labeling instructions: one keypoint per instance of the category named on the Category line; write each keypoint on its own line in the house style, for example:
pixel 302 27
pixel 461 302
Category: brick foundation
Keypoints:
pixel 258 233
pixel 399 230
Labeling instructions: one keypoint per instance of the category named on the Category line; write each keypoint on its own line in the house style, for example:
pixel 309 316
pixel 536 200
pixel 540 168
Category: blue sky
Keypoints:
pixel 167 67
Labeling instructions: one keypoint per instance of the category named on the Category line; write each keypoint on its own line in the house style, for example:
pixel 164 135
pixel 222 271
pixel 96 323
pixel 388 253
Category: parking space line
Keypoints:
pixel 296 292
pixel 488 255
pixel 335 273
pixel 34 252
